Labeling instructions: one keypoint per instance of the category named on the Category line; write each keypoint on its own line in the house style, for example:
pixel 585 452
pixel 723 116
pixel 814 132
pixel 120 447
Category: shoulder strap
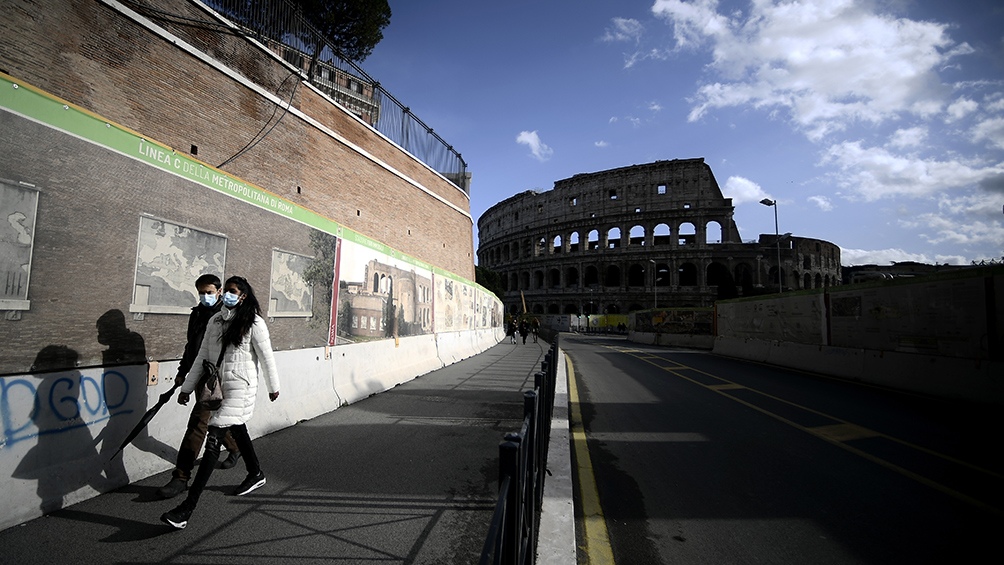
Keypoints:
pixel 220 360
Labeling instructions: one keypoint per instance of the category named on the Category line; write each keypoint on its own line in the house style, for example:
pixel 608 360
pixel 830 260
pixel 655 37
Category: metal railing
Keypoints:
pixel 281 26
pixel 512 533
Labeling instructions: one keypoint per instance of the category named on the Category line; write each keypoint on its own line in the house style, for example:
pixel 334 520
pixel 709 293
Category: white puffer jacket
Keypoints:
pixel 239 370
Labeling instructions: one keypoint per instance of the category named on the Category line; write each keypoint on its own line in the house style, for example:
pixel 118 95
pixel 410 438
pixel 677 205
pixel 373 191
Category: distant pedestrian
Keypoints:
pixel 511 331
pixel 535 328
pixel 524 329
pixel 239 330
pixel 209 288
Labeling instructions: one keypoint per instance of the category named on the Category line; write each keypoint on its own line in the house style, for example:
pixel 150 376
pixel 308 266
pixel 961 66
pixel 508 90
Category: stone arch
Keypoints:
pixel 571 309
pixel 538 309
pixel 636 275
pixel 573 242
pixel 612 309
pixel 688 274
pixel 612 277
pixel 662 277
pixel 553 309
pixel 592 276
pixel 593 240
pixel 513 281
pixel 637 235
pixel 556 244
pixel 634 307
pixel 819 281
pixel 661 235
pixel 613 238
pixel 524 283
pixel 807 280
pixel 554 278
pixel 571 277
pixel 686 234
pixel 713 232
pixel 540 246
pixel 538 279
pixel 718 275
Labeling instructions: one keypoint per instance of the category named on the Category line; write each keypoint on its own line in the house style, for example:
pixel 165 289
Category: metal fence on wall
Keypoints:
pixel 280 23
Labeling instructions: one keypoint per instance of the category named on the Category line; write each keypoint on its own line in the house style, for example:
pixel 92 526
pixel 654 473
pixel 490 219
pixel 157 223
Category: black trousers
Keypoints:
pixel 214 441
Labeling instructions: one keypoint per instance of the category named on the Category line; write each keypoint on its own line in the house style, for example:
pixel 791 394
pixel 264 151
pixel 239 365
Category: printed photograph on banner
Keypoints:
pixel 455 305
pixel 290 294
pixel 380 297
pixel 17 239
pixel 168 258
pixel 488 311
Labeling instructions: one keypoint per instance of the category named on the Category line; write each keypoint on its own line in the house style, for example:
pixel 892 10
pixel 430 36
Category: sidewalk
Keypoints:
pixel 406 476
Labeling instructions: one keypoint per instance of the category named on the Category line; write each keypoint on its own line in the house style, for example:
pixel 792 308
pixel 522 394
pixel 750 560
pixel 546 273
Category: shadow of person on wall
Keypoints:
pixel 64 458
pixel 123 387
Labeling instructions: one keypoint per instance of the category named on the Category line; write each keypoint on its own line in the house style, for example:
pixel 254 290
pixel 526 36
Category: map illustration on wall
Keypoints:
pixel 169 257
pixel 290 295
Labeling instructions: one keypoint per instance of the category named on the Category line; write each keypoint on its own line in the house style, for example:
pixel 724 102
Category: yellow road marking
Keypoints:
pixel 598 551
pixel 841 433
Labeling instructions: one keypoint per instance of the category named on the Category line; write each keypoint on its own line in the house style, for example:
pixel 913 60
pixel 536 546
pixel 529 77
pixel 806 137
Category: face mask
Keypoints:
pixel 230 300
pixel 207 300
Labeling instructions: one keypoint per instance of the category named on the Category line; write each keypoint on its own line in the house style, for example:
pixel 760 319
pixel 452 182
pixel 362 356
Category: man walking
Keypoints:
pixel 209 287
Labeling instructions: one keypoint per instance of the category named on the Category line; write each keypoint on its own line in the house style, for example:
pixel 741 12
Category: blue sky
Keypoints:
pixel 878 126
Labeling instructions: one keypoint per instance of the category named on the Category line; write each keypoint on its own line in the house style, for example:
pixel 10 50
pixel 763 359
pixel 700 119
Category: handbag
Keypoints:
pixel 210 389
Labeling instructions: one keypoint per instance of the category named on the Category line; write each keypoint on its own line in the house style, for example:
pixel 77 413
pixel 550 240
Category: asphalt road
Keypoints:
pixel 705 459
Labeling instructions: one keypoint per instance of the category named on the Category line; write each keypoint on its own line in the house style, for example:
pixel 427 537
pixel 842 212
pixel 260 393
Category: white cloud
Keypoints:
pixel 822 202
pixel 654 106
pixel 991 130
pixel 909 137
pixel 742 190
pixel 850 257
pixel 601 143
pixel 830 63
pixel 875 172
pixel 623 29
pixel 960 109
pixel 538 149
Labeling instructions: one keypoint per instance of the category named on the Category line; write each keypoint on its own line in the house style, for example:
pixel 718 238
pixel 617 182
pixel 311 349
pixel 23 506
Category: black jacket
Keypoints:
pixel 197 321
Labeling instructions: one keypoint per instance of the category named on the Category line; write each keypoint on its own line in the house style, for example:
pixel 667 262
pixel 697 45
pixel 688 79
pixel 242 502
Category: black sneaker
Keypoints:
pixel 230 461
pixel 177 518
pixel 173 488
pixel 251 483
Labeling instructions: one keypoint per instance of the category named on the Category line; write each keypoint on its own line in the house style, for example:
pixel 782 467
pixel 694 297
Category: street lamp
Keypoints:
pixel 777 239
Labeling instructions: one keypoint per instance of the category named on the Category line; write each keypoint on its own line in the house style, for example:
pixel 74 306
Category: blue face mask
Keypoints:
pixel 230 300
pixel 207 300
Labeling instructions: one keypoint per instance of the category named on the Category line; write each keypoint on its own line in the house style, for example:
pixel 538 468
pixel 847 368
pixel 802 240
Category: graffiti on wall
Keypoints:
pixel 61 428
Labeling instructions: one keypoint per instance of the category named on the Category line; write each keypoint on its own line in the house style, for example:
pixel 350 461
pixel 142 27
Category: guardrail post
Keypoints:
pixel 509 467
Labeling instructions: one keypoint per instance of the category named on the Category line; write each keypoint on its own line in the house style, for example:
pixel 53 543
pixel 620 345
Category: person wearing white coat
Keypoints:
pixel 240 328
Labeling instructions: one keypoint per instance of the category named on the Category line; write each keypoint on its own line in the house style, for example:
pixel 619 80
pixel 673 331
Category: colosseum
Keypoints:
pixel 660 234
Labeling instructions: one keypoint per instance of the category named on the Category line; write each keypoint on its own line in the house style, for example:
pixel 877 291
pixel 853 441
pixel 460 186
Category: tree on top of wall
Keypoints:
pixel 353 27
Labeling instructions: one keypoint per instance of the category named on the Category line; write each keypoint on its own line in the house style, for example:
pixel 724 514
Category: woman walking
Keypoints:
pixel 240 329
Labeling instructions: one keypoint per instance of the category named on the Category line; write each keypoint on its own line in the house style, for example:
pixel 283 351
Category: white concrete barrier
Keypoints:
pixel 62 429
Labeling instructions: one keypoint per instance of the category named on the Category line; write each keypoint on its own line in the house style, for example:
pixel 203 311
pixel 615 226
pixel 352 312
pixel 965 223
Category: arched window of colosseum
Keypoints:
pixel 556 244
pixel 636 275
pixel 807 281
pixel 592 276
pixel 554 278
pixel 687 234
pixel 635 307
pixel 718 275
pixel 524 283
pixel 594 240
pixel 688 274
pixel 713 232
pixel 573 242
pixel 571 278
pixel 662 277
pixel 571 309
pixel 540 247
pixel 613 276
pixel 505 283
pixel 807 262
pixel 614 238
pixel 527 249
pixel 744 276
pixel 514 254
pixel 819 281
pixel 538 280
pixel 612 309
pixel 660 235
pixel 636 236
pixel 553 309
pixel 538 309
